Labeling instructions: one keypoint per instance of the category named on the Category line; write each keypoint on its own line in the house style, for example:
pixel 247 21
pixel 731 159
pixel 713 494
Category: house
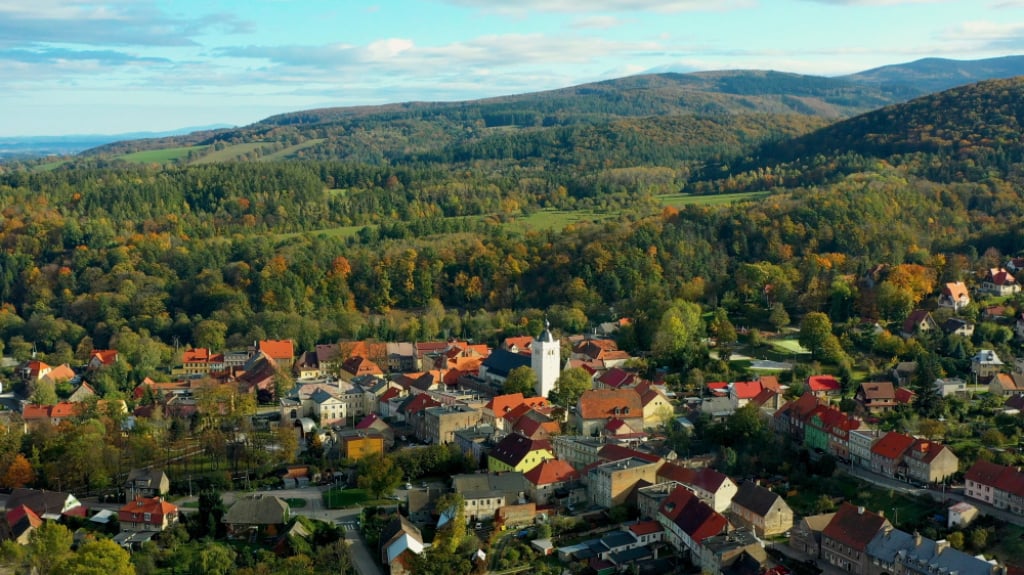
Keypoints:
pixel 845 539
pixel 500 363
pixel 861 441
pixel 513 516
pixel 82 393
pixel 401 357
pixel 656 407
pixel 918 322
pixel 896 551
pixel 200 361
pixel 532 423
pixel 596 407
pixel 957 326
pixel 710 485
pixel 64 373
pixel 998 485
pixel 984 365
pixel 517 453
pixel 52 414
pixel 954 295
pixel 688 521
pixel 374 424
pixel 358 366
pixel 400 542
pixel 930 462
pixel 328 408
pixel 961 514
pixel 361 445
pixel 485 493
pixel 101 358
pixel 441 422
pixel 147 514
pixel 951 386
pixel 761 509
pixel 45 504
pixel 827 430
pixel 738 552
pixel 998 281
pixel 19 523
pixel 887 453
pixel 806 534
pixel 904 372
pixel 282 351
pixel 791 418
pixel 1006 384
pixel 611 483
pixel 146 483
pixel 476 442
pixel 616 378
pixel 545 479
pixel 876 396
pixel 823 386
pixel 257 514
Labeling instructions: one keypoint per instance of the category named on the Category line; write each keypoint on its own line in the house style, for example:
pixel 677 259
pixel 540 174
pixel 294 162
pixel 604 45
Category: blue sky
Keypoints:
pixel 76 66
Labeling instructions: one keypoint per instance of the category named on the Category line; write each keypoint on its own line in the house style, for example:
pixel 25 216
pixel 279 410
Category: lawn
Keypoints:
pixel 552 219
pixel 160 156
pixel 339 498
pixel 296 502
pixel 789 345
pixel 229 153
pixel 681 199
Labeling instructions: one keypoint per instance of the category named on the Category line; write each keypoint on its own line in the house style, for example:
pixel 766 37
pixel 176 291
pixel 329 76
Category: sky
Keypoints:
pixel 83 67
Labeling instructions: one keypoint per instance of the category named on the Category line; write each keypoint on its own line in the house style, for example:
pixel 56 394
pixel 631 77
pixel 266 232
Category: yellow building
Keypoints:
pixel 363 445
pixel 518 453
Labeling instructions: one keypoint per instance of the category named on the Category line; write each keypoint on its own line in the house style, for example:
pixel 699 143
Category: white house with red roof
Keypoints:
pixel 822 386
pixel 1000 282
pixel 147 514
pixel 954 295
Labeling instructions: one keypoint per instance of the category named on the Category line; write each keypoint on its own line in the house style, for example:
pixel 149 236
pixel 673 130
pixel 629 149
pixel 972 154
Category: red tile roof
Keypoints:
pixel 502 404
pixel 984 472
pixel 823 384
pixel 770 382
pixel 551 471
pixel 197 355
pixel 617 377
pixel 135 511
pixel 746 389
pixel 105 356
pixel 645 528
pixel 853 526
pixel 696 518
pixel 903 395
pixel 612 452
pixel 892 446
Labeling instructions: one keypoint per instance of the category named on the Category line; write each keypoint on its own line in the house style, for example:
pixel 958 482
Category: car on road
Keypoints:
pixel 408 486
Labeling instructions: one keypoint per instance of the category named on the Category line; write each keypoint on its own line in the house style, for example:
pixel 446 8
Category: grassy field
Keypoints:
pixel 229 153
pixel 552 219
pixel 160 156
pixel 681 199
pixel 338 498
pixel 296 502
pixel 290 151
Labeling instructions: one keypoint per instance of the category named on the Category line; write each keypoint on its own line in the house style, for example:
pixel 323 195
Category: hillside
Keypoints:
pixel 936 74
pixel 962 134
pixel 402 132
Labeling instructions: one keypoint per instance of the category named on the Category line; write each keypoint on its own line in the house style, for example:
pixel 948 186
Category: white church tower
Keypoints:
pixel 546 360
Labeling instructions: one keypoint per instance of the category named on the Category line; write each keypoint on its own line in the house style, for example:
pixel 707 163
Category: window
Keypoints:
pixel 148 517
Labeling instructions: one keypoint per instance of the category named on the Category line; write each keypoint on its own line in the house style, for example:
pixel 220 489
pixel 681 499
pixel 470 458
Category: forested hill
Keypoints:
pixel 403 132
pixel 965 134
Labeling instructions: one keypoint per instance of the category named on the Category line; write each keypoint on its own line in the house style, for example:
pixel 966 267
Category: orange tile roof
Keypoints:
pixel 61 372
pixel 134 511
pixel 770 382
pixel 105 356
pixel 278 348
pixel 197 355
pixel 603 403
pixel 521 342
pixel 551 471
pixel 746 389
pixel 645 528
pixel 956 290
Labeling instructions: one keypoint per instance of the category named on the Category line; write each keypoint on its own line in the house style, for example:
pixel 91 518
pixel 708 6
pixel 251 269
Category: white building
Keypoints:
pixel 546 359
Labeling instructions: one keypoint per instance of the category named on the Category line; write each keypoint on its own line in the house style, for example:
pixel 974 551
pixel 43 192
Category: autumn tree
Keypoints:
pixel 47 547
pixel 379 475
pixel 724 332
pixel 19 473
pixel 570 385
pixel 778 316
pixel 97 557
pixel 678 331
pixel 451 534
pixel 521 380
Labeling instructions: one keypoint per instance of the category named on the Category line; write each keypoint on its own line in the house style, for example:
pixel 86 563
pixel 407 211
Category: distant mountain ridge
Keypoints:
pixel 11 146
pixel 411 131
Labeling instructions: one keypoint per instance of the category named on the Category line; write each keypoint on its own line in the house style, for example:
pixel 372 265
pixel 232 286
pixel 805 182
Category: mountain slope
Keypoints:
pixel 936 74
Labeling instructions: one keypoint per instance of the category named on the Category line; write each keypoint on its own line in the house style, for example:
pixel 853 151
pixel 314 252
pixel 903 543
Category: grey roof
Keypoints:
pixel 755 498
pixel 396 527
pixel 930 558
pixel 257 509
pixel 502 362
pixel 147 477
pixel 630 555
pixel 480 485
pixel 616 539
pixel 886 545
pixel 320 396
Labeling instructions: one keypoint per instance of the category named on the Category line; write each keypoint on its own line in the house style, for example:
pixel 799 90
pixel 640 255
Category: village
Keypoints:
pixel 559 433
